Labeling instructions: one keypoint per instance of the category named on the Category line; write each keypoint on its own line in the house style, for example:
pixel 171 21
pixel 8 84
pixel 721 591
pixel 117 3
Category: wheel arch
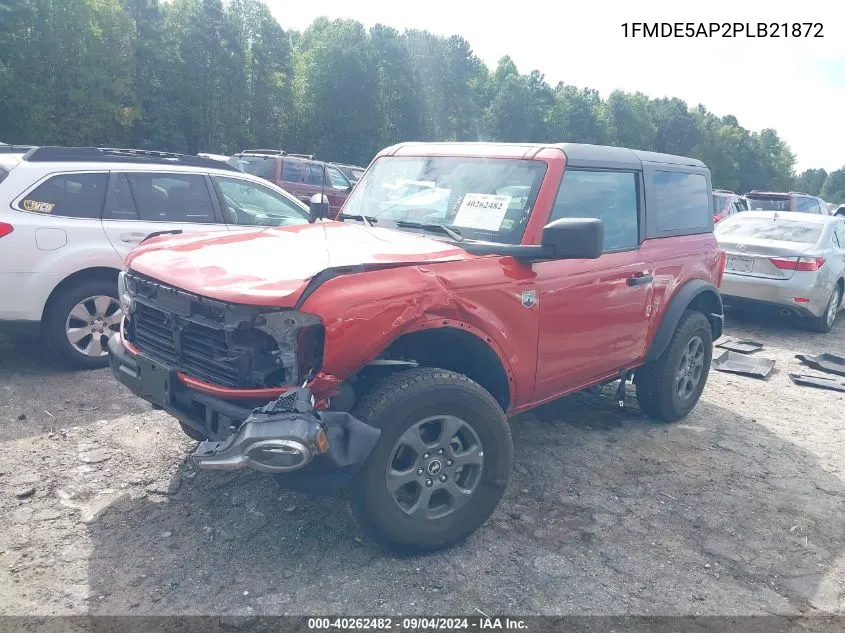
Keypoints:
pixel 95 273
pixel 458 349
pixel 698 295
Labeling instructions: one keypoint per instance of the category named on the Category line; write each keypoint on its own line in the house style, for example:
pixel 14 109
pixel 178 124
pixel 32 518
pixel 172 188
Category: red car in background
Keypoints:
pixel 299 174
pixel 726 203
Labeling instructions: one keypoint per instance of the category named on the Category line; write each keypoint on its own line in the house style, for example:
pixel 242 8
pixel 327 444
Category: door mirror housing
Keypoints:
pixel 318 207
pixel 574 238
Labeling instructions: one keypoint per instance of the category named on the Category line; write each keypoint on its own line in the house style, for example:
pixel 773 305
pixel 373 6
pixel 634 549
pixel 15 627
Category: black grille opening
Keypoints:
pixel 237 358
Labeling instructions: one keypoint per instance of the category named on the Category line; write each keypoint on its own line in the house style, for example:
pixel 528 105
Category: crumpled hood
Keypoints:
pixel 273 266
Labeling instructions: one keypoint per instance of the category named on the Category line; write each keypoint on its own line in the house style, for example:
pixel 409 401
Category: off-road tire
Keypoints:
pixel 820 323
pixel 656 382
pixel 53 326
pixel 394 405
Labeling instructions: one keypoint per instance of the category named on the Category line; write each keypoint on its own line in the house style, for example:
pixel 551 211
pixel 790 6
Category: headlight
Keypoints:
pixel 127 303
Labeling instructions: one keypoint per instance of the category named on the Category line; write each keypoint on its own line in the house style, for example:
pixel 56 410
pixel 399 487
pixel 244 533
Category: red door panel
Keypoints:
pixel 594 322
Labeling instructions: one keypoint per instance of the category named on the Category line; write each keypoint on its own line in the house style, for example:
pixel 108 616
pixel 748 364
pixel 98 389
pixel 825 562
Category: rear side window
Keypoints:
pixel 768 203
pixel 839 232
pixel 69 195
pixel 767 229
pixel 681 201
pixel 607 195
pixel 293 170
pixel 169 197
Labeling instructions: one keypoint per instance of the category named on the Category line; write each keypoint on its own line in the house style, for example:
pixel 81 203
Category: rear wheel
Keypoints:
pixel 824 323
pixel 80 320
pixel 668 388
pixel 442 462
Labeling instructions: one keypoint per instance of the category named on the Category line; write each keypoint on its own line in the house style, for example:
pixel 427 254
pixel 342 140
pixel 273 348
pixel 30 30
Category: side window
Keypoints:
pixel 314 175
pixel 69 195
pixel 3 174
pixel 742 204
pixel 805 204
pixel 293 170
pixel 337 179
pixel 171 197
pixel 608 195
pixel 119 202
pixel 680 201
pixel 247 203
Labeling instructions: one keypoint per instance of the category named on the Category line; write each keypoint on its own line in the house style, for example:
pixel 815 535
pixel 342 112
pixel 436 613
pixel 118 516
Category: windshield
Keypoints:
pixel 737 228
pixel 768 204
pixel 486 199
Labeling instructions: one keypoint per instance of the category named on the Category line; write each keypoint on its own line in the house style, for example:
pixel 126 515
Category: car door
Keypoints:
pixel 247 203
pixel 594 314
pixel 295 179
pixel 60 222
pixel 139 204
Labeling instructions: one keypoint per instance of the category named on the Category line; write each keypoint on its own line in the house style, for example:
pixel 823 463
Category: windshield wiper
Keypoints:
pixel 437 227
pixel 366 219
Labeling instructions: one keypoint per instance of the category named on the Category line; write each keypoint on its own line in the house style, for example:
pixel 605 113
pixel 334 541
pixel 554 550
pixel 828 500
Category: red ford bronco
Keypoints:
pixel 383 353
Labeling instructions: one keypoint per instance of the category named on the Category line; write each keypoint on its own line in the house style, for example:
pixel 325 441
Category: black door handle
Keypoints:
pixel 640 279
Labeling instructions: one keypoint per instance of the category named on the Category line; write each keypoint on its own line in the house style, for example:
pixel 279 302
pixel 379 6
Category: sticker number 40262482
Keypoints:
pixel 482 211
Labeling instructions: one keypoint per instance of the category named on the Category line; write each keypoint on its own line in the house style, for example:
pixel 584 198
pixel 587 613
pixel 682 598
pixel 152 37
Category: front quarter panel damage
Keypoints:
pixel 364 312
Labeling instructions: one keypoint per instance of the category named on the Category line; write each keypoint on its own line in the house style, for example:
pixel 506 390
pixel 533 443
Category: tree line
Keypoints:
pixel 207 75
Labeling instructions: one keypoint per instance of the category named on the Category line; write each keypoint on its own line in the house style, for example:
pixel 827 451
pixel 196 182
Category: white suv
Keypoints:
pixel 69 216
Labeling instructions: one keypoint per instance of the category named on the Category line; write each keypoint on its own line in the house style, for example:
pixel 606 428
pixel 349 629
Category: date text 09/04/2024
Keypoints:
pixel 723 29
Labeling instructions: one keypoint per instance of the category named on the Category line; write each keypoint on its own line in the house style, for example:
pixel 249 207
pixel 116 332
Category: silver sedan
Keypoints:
pixel 794 262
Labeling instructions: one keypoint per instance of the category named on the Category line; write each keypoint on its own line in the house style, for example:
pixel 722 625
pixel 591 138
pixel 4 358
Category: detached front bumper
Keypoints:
pixel 312 451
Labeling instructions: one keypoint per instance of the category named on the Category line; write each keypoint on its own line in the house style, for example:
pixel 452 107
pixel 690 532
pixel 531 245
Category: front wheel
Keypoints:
pixel 442 462
pixel 80 320
pixel 669 387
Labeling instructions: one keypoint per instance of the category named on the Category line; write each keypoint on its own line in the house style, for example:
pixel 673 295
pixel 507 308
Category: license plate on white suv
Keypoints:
pixel 739 264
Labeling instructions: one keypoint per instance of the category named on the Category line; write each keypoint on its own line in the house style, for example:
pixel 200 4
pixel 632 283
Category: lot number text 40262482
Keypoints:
pixel 723 29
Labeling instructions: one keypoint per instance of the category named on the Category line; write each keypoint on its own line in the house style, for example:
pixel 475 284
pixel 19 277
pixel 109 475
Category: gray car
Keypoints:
pixel 794 262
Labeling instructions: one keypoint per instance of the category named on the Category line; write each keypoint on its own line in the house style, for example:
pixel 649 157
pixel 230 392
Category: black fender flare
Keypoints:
pixel 707 300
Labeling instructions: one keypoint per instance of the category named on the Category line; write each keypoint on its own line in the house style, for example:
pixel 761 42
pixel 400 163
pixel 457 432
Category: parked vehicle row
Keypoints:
pixel 70 216
pixel 299 174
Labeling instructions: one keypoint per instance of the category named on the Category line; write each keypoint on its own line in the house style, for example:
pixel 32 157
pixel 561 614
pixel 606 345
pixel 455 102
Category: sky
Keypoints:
pixel 794 85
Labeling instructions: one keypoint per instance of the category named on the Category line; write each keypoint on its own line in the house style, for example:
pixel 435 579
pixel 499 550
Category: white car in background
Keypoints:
pixel 69 216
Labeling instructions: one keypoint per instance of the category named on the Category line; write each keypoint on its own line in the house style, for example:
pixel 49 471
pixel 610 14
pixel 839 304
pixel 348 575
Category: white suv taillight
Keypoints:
pixel 5 229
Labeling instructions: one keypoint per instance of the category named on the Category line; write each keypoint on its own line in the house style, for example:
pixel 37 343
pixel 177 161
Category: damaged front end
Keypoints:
pixel 286 435
pixel 228 372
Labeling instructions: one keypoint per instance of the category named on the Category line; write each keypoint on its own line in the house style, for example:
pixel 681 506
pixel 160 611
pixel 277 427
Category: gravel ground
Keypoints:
pixel 736 510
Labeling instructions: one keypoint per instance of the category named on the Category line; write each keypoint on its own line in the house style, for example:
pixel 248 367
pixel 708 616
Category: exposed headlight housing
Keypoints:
pixel 124 294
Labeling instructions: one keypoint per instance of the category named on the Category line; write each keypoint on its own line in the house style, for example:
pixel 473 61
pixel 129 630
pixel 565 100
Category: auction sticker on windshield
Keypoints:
pixel 482 211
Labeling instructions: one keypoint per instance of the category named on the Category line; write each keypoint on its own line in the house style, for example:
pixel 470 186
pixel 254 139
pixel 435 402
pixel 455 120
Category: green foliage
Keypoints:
pixel 222 75
pixel 834 187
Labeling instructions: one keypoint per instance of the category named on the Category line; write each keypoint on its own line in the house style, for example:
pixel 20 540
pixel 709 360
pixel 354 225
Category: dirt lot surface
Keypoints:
pixel 736 510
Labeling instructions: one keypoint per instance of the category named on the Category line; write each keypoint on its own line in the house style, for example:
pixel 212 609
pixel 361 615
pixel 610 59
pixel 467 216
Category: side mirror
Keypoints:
pixel 318 207
pixel 574 238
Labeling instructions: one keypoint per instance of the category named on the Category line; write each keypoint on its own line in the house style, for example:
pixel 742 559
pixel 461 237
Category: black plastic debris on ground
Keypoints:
pixel 822 382
pixel 734 345
pixel 829 363
pixel 736 363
